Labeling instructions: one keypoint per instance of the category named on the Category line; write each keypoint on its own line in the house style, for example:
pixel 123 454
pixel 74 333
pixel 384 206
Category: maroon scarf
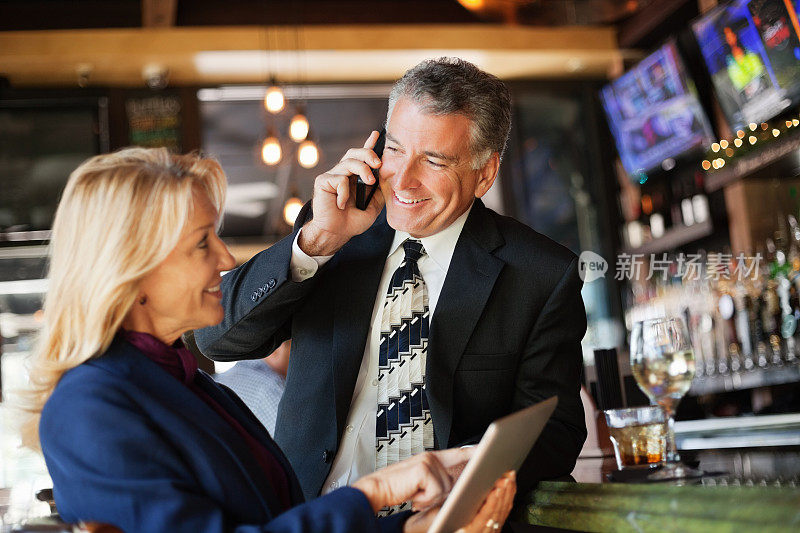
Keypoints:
pixel 179 362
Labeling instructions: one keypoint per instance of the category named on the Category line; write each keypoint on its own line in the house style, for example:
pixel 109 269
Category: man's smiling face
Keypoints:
pixel 427 177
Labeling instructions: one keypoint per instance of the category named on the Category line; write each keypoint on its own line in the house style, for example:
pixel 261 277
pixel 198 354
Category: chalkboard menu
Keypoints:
pixel 155 121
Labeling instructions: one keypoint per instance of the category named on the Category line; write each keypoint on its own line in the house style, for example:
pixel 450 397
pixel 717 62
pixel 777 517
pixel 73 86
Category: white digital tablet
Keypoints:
pixel 503 447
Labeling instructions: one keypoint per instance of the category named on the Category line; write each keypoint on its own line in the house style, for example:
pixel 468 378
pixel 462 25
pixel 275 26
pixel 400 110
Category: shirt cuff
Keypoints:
pixel 302 265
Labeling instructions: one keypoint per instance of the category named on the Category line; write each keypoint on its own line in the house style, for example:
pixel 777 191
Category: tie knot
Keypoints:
pixel 414 249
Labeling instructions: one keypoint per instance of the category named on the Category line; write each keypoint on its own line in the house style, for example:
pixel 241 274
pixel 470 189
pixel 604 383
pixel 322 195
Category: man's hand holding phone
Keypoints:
pixel 336 217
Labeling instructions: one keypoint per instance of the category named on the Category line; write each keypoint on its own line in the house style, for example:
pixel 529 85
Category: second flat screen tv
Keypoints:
pixel 654 112
pixel 752 52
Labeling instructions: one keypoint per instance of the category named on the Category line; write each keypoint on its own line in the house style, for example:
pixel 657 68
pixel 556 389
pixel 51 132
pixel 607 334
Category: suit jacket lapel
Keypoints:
pixel 356 285
pixel 470 278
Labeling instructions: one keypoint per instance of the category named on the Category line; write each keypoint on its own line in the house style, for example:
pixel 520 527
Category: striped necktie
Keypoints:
pixel 403 421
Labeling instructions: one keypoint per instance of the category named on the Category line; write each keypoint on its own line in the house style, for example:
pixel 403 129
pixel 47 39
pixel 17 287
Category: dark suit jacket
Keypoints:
pixel 505 334
pixel 128 444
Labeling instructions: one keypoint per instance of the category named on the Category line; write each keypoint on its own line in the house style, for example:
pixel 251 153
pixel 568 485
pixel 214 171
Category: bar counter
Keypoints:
pixel 744 490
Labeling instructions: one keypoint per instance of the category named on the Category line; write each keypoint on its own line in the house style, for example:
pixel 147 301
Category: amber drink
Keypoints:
pixel 639 436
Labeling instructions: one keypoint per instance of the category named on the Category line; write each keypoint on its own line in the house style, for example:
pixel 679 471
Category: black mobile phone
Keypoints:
pixel 365 192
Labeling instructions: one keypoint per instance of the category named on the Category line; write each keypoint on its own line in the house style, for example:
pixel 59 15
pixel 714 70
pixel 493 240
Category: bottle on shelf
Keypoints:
pixel 756 312
pixel 743 336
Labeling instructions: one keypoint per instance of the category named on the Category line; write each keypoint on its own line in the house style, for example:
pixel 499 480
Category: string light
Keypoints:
pixel 308 154
pixel 742 135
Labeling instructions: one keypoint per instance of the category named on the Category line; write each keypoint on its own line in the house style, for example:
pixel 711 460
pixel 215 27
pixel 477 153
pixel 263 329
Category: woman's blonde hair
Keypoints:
pixel 121 214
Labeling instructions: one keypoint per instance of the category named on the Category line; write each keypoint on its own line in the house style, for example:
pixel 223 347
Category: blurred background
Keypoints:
pixel 657 134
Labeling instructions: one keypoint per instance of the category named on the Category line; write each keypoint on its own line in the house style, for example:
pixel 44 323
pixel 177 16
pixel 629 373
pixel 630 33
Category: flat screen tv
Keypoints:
pixel 42 141
pixel 752 51
pixel 654 113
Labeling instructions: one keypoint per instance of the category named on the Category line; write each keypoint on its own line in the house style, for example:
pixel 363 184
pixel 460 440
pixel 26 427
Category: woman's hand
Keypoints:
pixel 425 479
pixel 490 518
pixel 492 515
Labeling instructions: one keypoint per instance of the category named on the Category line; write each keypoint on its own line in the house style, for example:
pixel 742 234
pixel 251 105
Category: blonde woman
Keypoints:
pixel 134 435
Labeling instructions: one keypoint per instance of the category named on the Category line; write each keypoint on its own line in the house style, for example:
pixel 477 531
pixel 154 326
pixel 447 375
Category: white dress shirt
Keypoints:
pixel 356 455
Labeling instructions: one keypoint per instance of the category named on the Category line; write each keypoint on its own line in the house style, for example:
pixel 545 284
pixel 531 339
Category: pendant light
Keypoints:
pixel 298 128
pixel 292 208
pixel 308 154
pixel 274 100
pixel 271 150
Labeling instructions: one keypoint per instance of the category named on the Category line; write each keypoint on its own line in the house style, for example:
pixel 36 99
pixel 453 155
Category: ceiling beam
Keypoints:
pixel 307 54
pixel 159 13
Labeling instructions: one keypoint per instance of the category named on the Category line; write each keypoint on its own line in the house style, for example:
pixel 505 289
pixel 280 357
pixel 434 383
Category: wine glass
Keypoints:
pixel 663 364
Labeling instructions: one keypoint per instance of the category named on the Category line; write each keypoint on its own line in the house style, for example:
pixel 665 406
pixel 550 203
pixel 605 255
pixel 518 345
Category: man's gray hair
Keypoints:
pixel 449 85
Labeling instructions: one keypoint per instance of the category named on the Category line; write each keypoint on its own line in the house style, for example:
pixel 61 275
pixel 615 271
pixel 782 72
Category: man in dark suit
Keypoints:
pixel 486 312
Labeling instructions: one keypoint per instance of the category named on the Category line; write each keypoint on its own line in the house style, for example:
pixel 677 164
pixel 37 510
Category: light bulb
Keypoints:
pixel 298 129
pixel 291 209
pixel 472 4
pixel 307 154
pixel 274 100
pixel 271 151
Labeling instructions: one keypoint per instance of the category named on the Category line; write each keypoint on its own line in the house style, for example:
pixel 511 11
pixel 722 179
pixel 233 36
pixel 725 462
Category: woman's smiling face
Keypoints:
pixel 183 292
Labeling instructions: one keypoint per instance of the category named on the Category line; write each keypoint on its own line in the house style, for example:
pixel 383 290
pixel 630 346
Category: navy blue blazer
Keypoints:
pixel 129 445
pixel 506 334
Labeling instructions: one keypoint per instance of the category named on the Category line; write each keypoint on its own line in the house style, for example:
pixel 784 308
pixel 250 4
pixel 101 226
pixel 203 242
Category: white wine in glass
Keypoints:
pixel 666 378
pixel 663 365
